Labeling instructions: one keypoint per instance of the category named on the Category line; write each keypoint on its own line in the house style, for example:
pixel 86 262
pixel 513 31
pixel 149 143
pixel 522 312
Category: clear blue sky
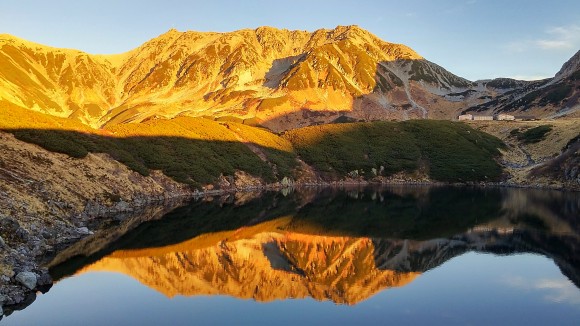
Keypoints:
pixel 475 39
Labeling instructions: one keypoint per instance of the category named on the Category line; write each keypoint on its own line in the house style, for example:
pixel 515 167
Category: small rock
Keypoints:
pixel 47 235
pixel 123 206
pixel 84 231
pixel 22 234
pixel 2 299
pixel 1 312
pixel 27 279
pixel 2 243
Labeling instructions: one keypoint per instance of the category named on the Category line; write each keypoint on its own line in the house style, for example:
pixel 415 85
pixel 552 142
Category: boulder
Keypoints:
pixel 84 231
pixel 27 279
pixel 2 243
pixel 8 228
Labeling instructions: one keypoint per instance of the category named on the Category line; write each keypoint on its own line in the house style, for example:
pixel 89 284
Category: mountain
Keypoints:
pixel 547 98
pixel 278 78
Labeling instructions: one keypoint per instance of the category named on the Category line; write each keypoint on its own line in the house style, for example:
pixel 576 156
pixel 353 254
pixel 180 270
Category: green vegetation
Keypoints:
pixel 279 151
pixel 556 94
pixel 449 151
pixel 533 135
pixel 194 151
pixel 198 151
pixel 190 161
pixel 552 94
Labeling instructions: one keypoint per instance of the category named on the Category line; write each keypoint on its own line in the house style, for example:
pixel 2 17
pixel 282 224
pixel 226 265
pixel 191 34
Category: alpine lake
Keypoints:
pixel 355 255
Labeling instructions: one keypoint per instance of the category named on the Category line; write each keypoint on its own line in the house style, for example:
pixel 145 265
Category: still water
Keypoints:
pixel 397 255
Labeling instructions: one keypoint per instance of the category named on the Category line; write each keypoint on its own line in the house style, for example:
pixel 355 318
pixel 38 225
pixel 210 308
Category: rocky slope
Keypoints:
pixel 279 78
pixel 48 200
pixel 549 98
pixel 552 161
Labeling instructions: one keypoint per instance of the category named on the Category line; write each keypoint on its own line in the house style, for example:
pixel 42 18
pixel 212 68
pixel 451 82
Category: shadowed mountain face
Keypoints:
pixel 338 245
pixel 550 98
pixel 278 78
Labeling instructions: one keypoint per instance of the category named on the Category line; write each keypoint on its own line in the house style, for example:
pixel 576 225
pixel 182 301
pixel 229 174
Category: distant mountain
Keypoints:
pixel 277 78
pixel 549 98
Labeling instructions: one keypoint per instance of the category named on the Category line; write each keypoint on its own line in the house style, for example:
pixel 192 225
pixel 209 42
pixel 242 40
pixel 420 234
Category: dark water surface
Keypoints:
pixel 397 255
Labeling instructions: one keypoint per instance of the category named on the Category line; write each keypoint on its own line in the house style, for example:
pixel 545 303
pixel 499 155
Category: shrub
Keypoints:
pixel 452 152
pixel 534 135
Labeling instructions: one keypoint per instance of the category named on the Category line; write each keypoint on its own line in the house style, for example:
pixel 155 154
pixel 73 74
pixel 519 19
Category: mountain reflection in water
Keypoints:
pixel 338 245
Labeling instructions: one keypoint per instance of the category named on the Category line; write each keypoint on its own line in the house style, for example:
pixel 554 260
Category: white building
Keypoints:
pixel 465 117
pixel 503 116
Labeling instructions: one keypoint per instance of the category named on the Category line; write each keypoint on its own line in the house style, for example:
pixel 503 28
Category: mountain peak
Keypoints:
pixel 570 67
pixel 172 31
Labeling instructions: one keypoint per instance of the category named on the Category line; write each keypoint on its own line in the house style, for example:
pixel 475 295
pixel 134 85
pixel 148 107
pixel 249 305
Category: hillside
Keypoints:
pixel 205 153
pixel 538 153
pixel 438 150
pixel 549 98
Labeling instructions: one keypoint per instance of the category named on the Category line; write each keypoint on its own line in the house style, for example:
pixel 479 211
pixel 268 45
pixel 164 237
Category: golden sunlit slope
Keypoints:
pixel 280 78
pixel 61 82
pixel 195 151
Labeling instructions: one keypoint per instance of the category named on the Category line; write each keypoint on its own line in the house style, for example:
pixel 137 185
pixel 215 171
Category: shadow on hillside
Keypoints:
pixel 478 217
pixel 442 150
pixel 279 68
pixel 191 161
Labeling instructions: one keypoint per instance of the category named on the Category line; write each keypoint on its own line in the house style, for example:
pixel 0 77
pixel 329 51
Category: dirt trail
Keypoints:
pixel 519 159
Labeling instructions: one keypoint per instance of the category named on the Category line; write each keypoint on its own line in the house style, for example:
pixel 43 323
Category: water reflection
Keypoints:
pixel 338 245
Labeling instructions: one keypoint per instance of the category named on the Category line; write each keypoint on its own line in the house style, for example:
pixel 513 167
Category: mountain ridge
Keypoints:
pixel 277 78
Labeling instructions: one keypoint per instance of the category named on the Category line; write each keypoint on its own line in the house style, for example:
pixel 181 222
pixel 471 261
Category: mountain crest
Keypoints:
pixel 278 78
pixel 571 67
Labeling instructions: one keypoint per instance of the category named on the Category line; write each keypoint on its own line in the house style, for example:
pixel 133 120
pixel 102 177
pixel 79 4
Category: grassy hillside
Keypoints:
pixel 190 150
pixel 449 151
pixel 197 151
